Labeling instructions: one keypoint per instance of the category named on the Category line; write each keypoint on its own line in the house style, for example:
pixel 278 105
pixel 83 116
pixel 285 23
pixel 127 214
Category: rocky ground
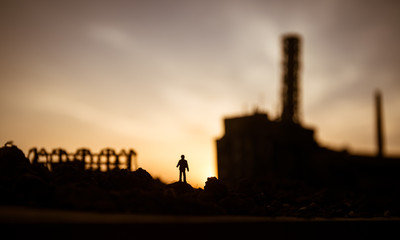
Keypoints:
pixel 68 186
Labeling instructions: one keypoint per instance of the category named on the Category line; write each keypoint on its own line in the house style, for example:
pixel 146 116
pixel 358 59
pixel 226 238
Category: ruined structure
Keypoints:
pixel 106 160
pixel 255 146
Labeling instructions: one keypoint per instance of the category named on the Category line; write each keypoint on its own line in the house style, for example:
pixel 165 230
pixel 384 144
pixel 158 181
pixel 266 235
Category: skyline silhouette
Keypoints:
pixel 69 186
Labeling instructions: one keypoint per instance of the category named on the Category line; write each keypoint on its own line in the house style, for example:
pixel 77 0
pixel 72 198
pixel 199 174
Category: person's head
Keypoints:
pixel 182 156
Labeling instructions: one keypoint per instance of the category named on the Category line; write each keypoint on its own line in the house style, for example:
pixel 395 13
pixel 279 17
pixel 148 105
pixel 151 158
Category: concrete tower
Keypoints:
pixel 290 89
pixel 379 123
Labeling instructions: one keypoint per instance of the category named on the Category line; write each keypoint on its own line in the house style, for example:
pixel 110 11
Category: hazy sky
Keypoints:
pixel 159 76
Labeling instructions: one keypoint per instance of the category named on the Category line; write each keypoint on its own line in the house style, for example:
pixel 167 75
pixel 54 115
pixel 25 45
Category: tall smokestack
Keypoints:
pixel 379 127
pixel 290 89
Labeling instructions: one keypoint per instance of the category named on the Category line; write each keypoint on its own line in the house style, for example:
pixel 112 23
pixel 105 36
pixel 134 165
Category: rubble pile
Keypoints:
pixel 69 186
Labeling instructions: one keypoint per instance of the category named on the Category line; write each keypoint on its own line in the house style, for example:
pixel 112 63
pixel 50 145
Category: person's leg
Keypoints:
pixel 180 176
pixel 184 176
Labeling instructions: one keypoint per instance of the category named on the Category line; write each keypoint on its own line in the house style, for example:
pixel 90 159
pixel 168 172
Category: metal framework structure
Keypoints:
pixel 290 89
pixel 106 160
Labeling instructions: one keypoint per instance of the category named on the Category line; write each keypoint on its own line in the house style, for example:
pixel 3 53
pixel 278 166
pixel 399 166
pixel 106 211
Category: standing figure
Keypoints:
pixel 182 167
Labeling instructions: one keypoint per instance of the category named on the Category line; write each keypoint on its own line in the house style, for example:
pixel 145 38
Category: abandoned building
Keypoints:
pixel 256 146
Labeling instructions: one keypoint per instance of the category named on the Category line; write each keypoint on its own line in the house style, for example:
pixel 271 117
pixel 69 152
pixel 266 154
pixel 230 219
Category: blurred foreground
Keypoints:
pixel 48 224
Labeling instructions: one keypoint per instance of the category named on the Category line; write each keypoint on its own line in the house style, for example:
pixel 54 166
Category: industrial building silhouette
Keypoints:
pixel 256 146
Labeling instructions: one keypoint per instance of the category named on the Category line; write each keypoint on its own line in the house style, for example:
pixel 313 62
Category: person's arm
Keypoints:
pixel 177 164
pixel 187 166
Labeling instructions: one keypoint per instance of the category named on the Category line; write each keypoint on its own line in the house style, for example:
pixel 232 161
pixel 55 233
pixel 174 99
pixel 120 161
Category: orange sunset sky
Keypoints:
pixel 160 76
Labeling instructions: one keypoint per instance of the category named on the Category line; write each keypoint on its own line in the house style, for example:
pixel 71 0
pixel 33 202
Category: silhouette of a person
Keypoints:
pixel 183 164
